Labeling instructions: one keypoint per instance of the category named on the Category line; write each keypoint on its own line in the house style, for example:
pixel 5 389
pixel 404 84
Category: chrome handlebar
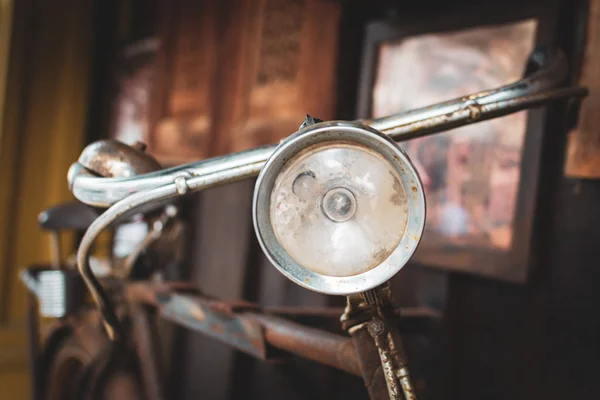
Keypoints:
pixel 537 89
pixel 131 193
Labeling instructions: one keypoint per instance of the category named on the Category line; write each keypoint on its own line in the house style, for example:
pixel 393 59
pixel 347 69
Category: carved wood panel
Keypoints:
pixel 183 95
pixel 231 80
pixel 295 60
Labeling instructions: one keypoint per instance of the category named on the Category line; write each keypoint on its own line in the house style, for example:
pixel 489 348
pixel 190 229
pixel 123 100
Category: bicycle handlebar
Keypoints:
pixel 127 195
pixel 535 90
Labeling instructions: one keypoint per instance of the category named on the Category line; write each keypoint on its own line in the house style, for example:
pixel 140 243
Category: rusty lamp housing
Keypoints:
pixel 338 208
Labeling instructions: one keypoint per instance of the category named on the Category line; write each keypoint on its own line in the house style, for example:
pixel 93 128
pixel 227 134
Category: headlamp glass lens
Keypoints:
pixel 338 209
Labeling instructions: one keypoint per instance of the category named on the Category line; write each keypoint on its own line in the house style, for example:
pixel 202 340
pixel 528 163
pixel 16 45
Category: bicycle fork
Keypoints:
pixel 370 320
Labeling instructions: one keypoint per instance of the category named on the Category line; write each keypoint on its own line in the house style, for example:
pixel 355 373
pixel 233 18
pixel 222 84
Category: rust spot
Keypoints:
pixel 398 196
pixel 416 238
pixel 414 189
pixel 197 312
pixel 217 328
pixel 257 344
pixel 380 254
pixel 306 280
pixel 474 112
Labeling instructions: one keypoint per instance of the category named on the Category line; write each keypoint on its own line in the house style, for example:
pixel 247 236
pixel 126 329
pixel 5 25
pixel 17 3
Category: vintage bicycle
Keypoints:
pixel 338 208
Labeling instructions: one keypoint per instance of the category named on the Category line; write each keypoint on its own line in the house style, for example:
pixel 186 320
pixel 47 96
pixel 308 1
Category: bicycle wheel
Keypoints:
pixel 76 374
pixel 66 371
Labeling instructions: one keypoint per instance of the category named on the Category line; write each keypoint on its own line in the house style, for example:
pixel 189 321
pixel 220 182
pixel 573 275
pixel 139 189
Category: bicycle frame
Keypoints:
pixel 125 196
pixel 252 330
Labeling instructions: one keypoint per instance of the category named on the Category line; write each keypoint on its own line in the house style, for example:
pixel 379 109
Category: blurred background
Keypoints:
pixel 508 268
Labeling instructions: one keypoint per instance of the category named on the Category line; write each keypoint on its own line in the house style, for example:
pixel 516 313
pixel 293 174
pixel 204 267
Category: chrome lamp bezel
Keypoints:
pixel 339 132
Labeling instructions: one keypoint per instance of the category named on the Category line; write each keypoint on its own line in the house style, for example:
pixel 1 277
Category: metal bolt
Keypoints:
pixel 140 146
pixel 474 111
pixel 181 185
pixel 376 327
pixel 310 121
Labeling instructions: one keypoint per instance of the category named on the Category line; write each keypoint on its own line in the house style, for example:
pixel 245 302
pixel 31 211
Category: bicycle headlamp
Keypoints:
pixel 339 208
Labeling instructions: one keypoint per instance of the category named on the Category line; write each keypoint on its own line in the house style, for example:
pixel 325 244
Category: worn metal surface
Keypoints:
pixel 237 331
pixel 146 351
pixel 104 192
pixel 370 363
pixel 199 315
pixel 474 112
pixel 373 323
pixel 378 331
pixel 131 205
pixel 546 77
pixel 240 325
pixel 400 362
pixel 331 133
pixel 313 344
pixel 113 159
pixel 393 360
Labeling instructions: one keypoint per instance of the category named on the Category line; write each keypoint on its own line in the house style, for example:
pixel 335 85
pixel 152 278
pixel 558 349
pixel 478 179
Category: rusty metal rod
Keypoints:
pixel 310 343
pixel 370 363
pixel 147 353
pixel 474 112
pixel 239 329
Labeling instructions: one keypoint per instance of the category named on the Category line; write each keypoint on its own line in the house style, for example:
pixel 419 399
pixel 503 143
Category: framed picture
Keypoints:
pixel 479 179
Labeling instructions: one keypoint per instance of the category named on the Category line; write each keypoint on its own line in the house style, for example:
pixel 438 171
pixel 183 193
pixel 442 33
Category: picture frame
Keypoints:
pixel 468 248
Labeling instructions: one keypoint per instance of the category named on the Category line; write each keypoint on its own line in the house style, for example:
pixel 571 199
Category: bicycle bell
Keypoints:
pixel 338 208
pixel 113 159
